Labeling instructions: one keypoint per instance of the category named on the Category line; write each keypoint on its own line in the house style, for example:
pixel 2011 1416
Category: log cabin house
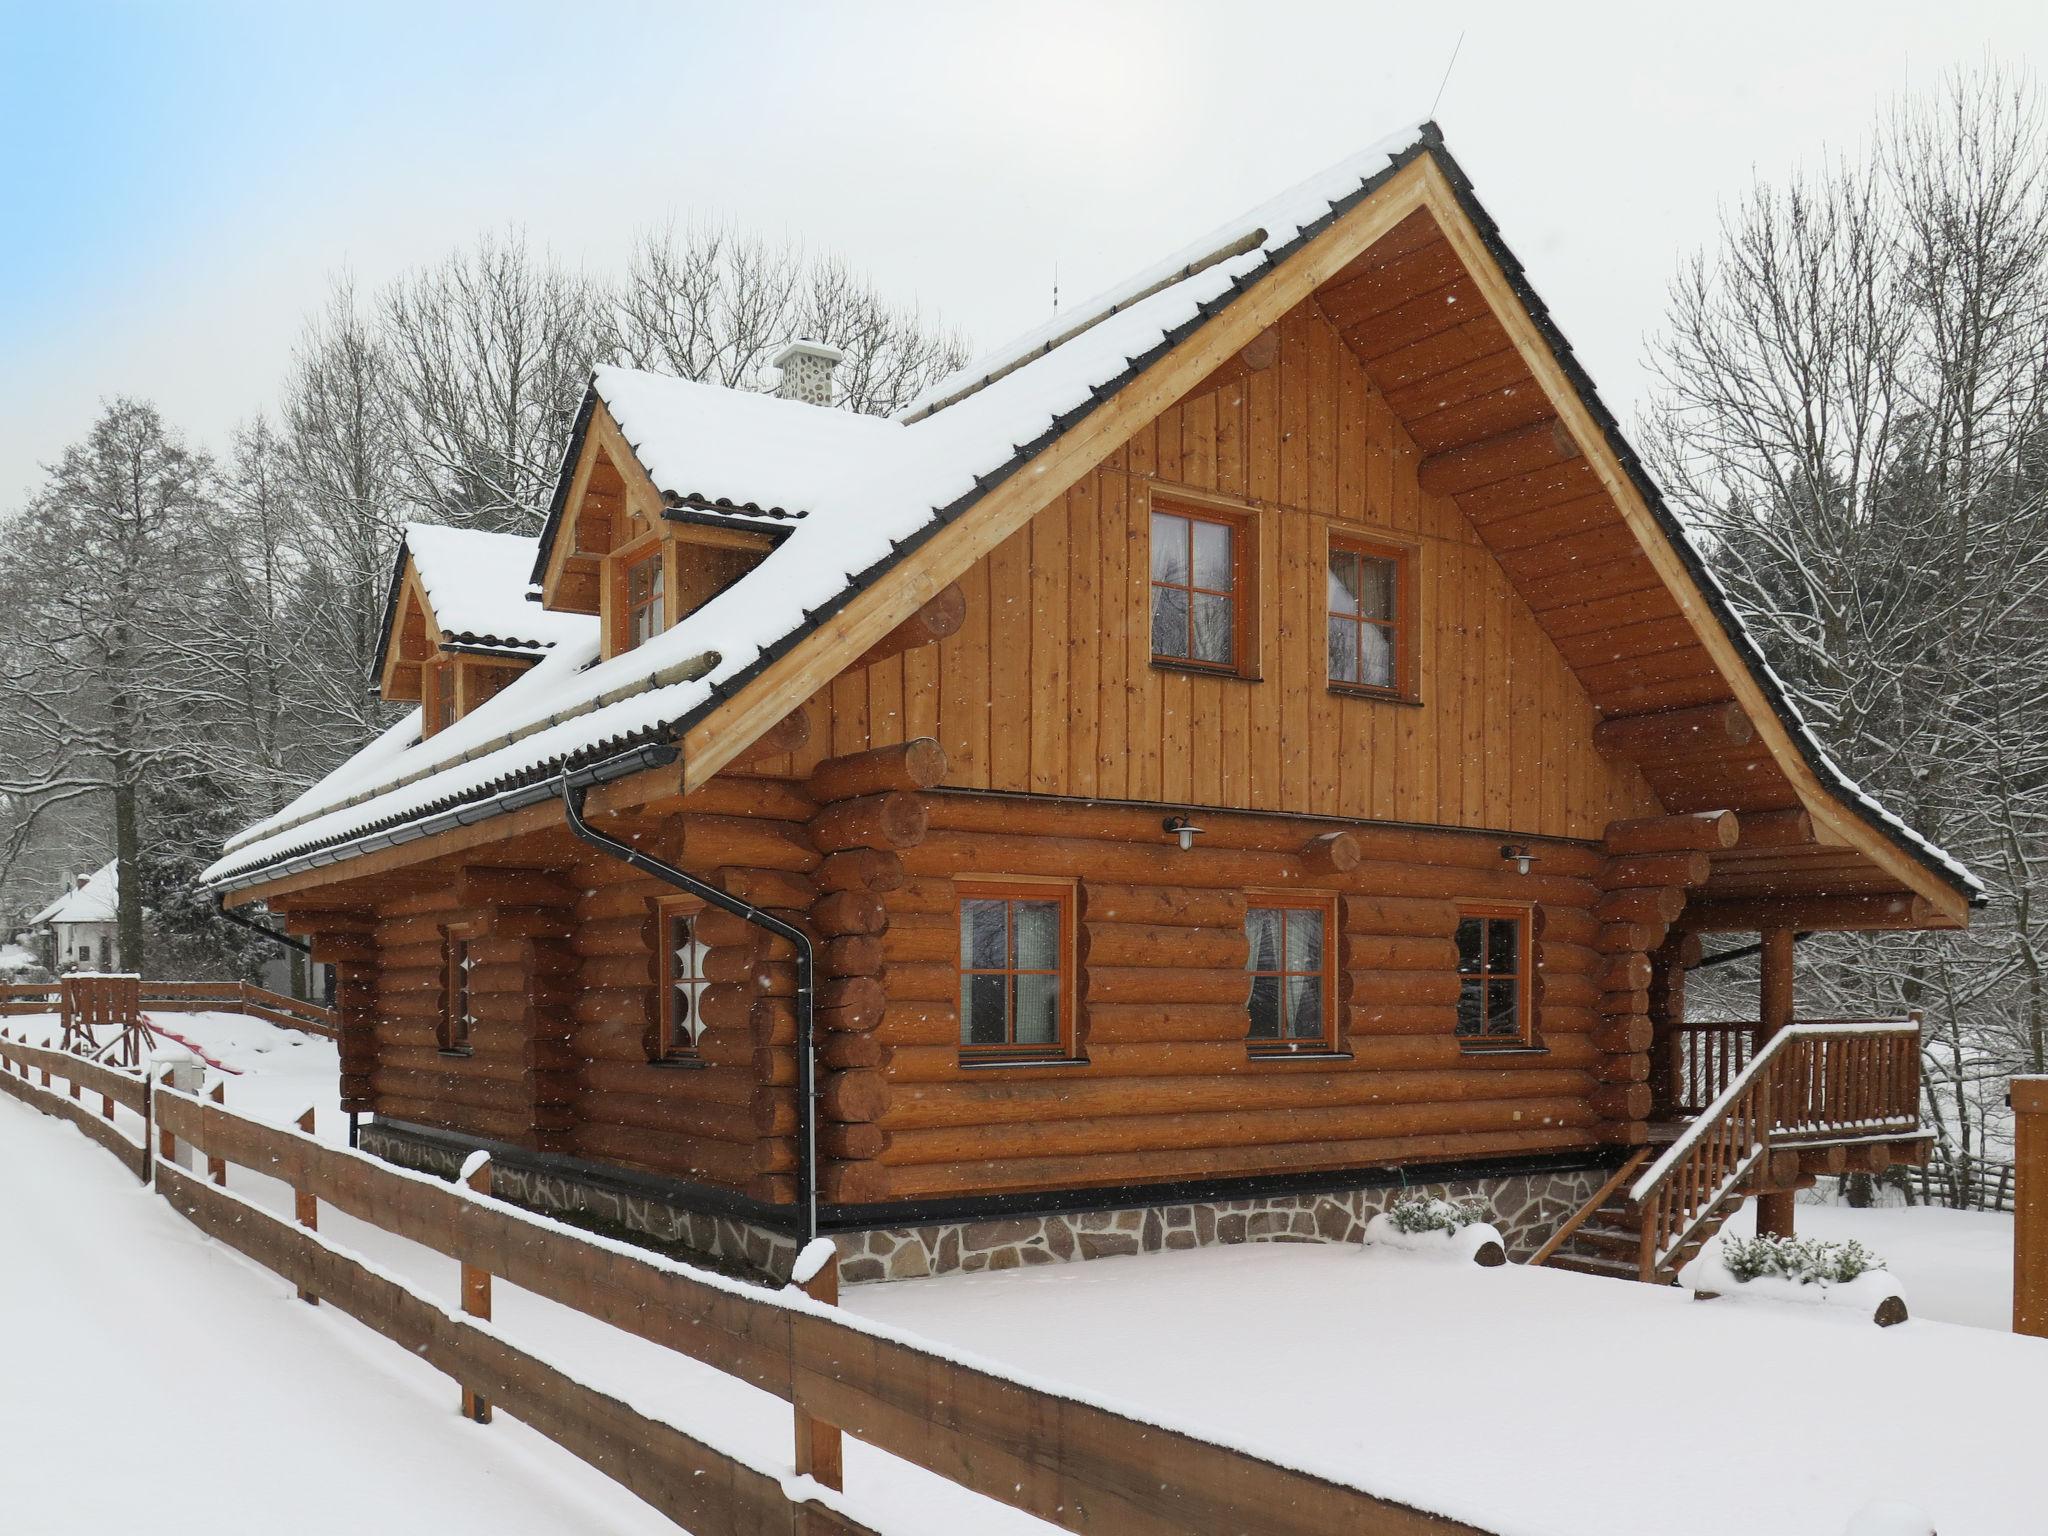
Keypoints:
pixel 1256 743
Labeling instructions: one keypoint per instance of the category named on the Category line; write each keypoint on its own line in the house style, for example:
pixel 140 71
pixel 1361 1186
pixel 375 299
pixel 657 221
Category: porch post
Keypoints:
pixel 1774 1012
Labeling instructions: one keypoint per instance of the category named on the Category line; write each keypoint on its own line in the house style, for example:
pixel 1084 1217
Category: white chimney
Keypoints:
pixel 806 371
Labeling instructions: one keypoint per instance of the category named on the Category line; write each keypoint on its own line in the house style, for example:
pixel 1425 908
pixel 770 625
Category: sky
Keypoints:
pixel 183 183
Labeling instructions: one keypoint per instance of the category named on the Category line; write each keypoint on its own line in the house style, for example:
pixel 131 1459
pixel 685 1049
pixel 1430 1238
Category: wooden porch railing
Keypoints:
pixel 1810 1084
pixel 1702 1060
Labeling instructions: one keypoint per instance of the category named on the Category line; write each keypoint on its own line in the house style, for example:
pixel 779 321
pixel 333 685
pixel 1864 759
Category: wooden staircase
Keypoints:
pixel 1814 1098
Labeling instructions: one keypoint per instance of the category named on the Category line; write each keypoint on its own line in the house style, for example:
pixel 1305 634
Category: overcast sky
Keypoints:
pixel 181 183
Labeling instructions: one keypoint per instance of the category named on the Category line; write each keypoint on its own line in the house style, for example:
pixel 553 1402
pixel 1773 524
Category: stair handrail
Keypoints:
pixel 1712 1118
pixel 1578 1218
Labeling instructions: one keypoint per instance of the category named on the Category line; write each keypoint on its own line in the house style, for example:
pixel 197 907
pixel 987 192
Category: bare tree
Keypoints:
pixel 1853 414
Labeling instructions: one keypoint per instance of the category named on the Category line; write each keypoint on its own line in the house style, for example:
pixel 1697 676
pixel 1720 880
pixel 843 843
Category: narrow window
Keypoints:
pixel 458 1012
pixel 437 697
pixel 1369 624
pixel 1291 998
pixel 645 600
pixel 1015 971
pixel 1196 570
pixel 682 987
pixel 1493 977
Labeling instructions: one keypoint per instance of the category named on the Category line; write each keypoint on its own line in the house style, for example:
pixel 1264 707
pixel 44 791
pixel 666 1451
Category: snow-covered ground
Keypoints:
pixel 1529 1402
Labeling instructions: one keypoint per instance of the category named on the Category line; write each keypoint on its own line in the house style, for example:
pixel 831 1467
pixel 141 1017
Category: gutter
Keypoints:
pixel 573 786
pixel 223 910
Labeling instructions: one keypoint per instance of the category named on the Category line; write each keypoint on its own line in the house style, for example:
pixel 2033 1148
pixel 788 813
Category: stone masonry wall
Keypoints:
pixel 1527 1207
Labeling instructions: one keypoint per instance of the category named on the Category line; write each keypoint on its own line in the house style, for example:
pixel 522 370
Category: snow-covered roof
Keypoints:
pixel 852 494
pixel 92 900
pixel 476 583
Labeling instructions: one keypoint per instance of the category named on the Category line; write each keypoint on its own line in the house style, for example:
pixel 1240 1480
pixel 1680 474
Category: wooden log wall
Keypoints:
pixel 1047 685
pixel 343 934
pixel 1169 1089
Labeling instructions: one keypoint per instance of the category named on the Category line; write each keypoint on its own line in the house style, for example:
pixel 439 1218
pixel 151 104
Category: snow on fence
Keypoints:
pixel 113 1087
pixel 26 997
pixel 1078 1464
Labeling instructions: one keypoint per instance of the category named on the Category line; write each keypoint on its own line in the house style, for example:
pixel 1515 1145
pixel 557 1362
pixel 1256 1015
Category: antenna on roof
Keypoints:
pixel 1439 96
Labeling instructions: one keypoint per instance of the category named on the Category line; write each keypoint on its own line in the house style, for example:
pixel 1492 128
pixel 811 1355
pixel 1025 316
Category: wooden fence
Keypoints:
pixel 1965 1183
pixel 25 997
pixel 1073 1463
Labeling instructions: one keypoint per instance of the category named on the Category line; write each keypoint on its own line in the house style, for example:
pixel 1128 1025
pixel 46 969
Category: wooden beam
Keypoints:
pixel 1774 829
pixel 911 765
pixel 1520 452
pixel 1814 914
pixel 940 617
pixel 789 734
pixel 1673 733
pixel 1775 1006
pixel 1704 832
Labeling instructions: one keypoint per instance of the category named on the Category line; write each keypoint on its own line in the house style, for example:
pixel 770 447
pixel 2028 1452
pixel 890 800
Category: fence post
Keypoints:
pixel 2030 1206
pixel 217 1167
pixel 476 1283
pixel 306 1207
pixel 819 1451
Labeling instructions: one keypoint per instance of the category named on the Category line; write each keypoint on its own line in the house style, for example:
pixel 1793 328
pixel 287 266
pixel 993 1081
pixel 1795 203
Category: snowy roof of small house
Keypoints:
pixel 853 494
pixel 90 901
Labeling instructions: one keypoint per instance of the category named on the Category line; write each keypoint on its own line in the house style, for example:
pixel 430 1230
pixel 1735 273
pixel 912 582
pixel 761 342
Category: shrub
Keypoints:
pixel 1801 1259
pixel 1431 1213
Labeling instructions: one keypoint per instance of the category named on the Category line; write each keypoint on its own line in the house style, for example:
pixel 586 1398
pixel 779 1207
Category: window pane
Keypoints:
pixel 1264 1006
pixel 1376 656
pixel 1343 650
pixel 1169 548
pixel 1305 941
pixel 981 1010
pixel 1304 1007
pixel 685 1026
pixel 1169 622
pixel 1262 931
pixel 1469 1008
pixel 1038 1010
pixel 1503 1018
pixel 1038 935
pixel 1214 563
pixel 1215 629
pixel 984 941
pixel 1469 933
pixel 1343 582
pixel 1502 946
pixel 1376 588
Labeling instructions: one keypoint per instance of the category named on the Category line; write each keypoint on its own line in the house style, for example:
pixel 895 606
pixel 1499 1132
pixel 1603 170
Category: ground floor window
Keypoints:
pixel 458 1004
pixel 1016 969
pixel 681 1027
pixel 1291 1001
pixel 1494 1004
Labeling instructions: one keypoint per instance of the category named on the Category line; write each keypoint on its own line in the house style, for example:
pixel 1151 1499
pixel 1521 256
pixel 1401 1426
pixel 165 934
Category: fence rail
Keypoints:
pixel 26 997
pixel 1963 1182
pixel 1077 1464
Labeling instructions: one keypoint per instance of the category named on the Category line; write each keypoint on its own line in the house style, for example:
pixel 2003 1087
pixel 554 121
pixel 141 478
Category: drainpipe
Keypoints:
pixel 221 906
pixel 575 785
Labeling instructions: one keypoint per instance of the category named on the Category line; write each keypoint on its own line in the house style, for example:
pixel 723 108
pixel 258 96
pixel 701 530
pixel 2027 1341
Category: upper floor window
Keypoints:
pixel 437 697
pixel 1199 599
pixel 1371 625
pixel 683 984
pixel 1494 1003
pixel 1016 969
pixel 646 600
pixel 1292 998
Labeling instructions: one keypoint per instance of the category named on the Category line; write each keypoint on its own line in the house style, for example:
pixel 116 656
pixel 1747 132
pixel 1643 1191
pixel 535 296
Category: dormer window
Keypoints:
pixel 645 600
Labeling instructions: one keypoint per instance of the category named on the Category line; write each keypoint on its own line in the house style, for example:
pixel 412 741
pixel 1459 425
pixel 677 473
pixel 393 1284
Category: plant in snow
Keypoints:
pixel 1433 1213
pixel 1804 1260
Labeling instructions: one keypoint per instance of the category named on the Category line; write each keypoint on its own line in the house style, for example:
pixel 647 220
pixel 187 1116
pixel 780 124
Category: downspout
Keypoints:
pixel 224 910
pixel 575 785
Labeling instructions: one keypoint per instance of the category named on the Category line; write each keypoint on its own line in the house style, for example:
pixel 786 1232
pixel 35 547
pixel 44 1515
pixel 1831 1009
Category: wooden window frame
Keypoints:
pixel 1024 888
pixel 662 1049
pixel 1407 625
pixel 618 568
pixel 438 696
pixel 454 1031
pixel 1524 915
pixel 1243 523
pixel 1323 903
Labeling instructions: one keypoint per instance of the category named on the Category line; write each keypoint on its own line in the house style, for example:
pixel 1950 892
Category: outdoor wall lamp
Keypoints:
pixel 1182 828
pixel 1520 853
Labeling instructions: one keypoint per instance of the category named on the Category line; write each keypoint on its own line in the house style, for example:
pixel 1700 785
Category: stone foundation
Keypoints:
pixel 1527 1207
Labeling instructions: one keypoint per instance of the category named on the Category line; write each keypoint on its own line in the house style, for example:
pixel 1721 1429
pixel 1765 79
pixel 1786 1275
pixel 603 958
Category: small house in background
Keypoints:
pixel 81 923
pixel 1254 744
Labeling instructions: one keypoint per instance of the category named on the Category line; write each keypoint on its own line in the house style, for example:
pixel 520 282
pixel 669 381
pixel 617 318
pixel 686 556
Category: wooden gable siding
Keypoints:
pixel 1048 688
